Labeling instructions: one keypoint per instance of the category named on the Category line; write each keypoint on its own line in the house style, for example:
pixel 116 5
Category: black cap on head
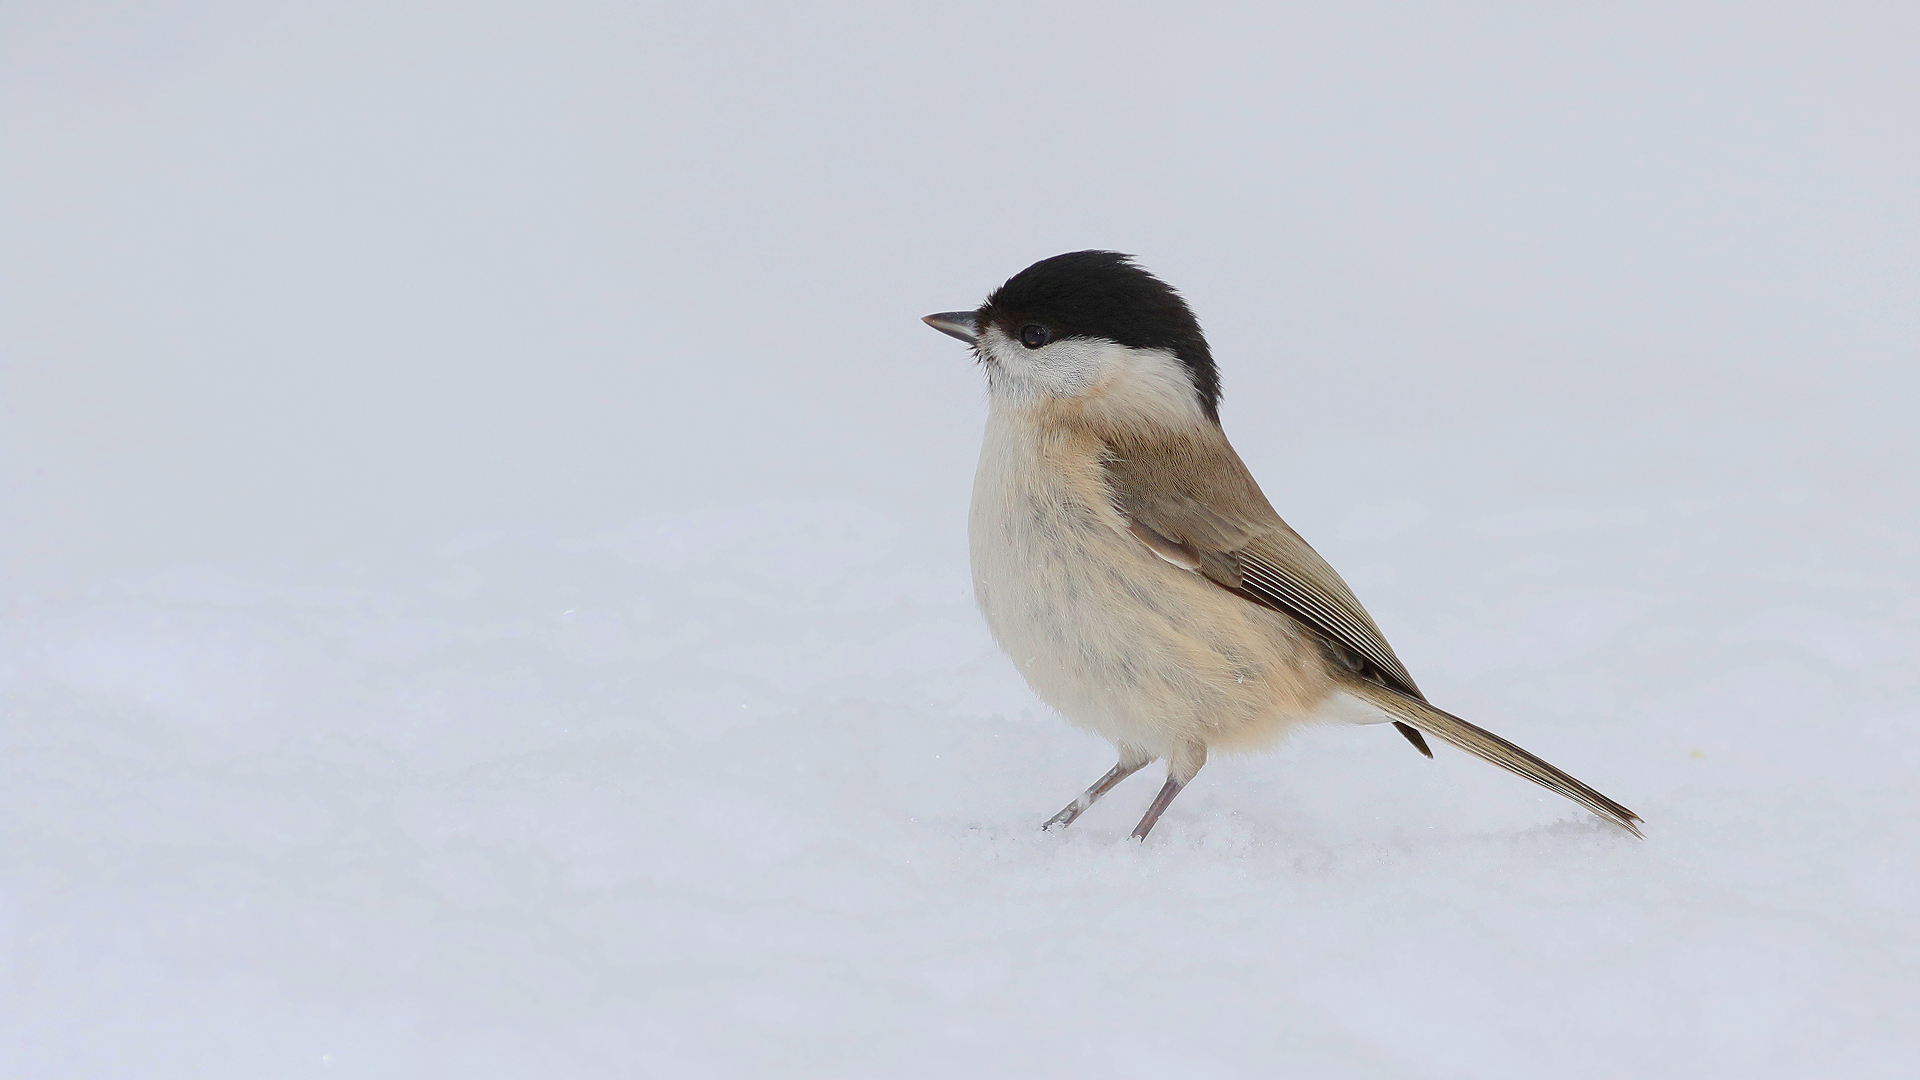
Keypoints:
pixel 1102 294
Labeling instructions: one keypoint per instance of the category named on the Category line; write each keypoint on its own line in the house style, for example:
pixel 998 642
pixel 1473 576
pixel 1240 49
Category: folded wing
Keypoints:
pixel 1175 509
pixel 1171 495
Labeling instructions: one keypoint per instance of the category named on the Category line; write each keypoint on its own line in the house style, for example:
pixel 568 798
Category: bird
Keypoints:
pixel 1128 563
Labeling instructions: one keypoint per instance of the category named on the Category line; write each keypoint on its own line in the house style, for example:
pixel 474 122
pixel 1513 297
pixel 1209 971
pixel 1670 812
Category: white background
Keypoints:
pixel 484 584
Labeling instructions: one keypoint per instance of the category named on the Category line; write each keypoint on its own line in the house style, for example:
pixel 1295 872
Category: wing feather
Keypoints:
pixel 1216 516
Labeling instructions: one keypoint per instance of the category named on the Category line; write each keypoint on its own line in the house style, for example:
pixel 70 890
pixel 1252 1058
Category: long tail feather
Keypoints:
pixel 1487 746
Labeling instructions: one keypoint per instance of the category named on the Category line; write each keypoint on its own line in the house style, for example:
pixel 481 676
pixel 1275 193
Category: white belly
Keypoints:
pixel 1120 641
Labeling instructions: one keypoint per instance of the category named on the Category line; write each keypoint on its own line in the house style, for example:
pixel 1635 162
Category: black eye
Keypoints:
pixel 1033 335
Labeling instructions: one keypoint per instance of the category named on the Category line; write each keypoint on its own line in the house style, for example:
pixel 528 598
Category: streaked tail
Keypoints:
pixel 1487 746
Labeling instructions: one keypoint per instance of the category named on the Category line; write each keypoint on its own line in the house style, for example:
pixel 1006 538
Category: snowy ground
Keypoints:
pixel 670 801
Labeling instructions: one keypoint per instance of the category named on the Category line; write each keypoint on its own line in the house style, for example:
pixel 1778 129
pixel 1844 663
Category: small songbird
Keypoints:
pixel 1128 563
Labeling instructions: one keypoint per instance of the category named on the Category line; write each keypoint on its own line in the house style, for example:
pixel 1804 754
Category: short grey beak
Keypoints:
pixel 960 324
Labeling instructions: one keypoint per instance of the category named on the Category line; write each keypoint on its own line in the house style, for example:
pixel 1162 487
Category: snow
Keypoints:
pixel 484 576
pixel 747 791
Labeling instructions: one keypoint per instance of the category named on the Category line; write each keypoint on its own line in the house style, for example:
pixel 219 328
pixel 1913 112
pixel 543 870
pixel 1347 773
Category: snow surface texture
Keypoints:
pixel 747 792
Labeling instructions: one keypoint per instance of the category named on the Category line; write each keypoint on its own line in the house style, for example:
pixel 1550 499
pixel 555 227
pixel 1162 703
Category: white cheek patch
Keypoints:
pixel 1067 368
pixel 1123 381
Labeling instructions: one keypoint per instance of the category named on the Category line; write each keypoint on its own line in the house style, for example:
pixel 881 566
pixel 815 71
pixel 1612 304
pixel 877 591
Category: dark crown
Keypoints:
pixel 1103 294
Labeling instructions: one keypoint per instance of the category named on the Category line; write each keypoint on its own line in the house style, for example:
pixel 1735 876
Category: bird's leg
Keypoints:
pixel 1131 761
pixel 1181 769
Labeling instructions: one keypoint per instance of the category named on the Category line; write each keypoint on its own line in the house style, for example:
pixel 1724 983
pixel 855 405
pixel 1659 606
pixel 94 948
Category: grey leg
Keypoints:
pixel 1180 772
pixel 1130 763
